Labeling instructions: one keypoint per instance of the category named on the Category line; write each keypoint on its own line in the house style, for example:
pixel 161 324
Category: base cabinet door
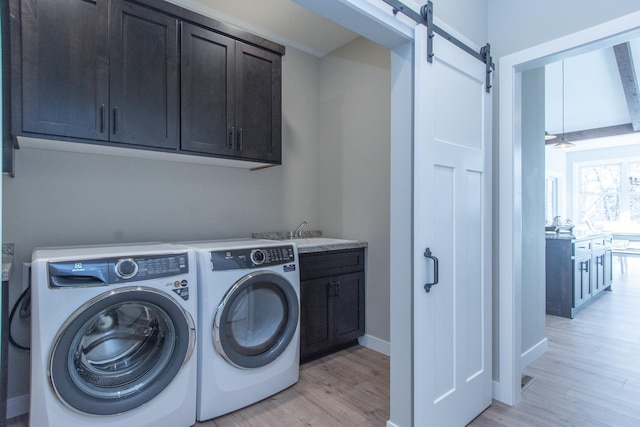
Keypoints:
pixel 332 301
pixel 582 280
pixel 348 306
pixel 608 268
pixel 598 272
pixel 315 317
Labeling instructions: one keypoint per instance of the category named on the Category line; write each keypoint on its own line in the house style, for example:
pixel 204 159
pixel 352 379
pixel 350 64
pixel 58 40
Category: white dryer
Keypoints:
pixel 113 336
pixel 248 322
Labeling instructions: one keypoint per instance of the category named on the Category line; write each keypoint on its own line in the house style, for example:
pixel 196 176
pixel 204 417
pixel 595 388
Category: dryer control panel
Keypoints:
pixel 236 259
pixel 102 272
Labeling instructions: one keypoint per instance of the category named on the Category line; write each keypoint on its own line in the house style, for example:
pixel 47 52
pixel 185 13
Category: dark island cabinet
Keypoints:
pixel 231 97
pixel 577 270
pixel 332 301
pixel 143 74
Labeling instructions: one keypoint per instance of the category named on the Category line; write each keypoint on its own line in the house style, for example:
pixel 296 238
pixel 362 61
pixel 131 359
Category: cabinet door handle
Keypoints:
pixel 232 133
pixel 331 289
pixel 337 289
pixel 584 266
pixel 115 120
pixel 427 254
pixel 102 118
pixel 240 140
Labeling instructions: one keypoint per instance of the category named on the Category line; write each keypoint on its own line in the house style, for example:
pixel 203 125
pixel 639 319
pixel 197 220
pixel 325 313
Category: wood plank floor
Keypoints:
pixel 348 388
pixel 591 374
pixel 589 377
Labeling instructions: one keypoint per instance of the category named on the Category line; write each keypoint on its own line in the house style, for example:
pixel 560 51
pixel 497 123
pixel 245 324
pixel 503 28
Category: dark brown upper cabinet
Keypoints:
pixel 231 97
pixel 114 72
pixel 83 77
pixel 65 68
pixel 144 108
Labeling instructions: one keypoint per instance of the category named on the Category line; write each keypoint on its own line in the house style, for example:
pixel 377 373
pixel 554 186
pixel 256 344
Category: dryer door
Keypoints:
pixel 256 320
pixel 120 350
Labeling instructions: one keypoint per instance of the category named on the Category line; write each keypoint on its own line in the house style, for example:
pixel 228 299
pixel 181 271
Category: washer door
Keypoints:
pixel 256 320
pixel 119 350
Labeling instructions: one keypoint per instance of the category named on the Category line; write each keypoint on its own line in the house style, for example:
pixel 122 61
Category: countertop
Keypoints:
pixel 335 245
pixel 347 244
pixel 7 260
pixel 575 236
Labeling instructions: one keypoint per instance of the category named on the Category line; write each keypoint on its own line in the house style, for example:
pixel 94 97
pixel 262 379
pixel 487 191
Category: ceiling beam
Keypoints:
pixel 629 82
pixel 595 133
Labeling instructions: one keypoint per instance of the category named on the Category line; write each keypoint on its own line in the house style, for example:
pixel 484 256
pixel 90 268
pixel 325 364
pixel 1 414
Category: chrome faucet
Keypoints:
pixel 298 231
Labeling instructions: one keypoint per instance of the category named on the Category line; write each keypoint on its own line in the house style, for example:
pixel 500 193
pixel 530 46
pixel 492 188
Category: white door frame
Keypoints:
pixel 509 274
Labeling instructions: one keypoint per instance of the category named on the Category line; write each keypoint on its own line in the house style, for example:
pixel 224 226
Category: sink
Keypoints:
pixel 320 241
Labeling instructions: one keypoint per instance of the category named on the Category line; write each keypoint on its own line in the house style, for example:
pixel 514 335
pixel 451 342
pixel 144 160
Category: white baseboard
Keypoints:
pixel 17 406
pixel 530 356
pixel 376 344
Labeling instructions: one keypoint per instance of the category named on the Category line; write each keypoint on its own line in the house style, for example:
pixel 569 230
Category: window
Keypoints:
pixel 599 194
pixel 608 193
pixel 551 198
pixel 634 191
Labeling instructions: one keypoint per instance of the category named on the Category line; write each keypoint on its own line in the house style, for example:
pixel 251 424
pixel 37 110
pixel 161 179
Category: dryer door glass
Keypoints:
pixel 120 351
pixel 257 320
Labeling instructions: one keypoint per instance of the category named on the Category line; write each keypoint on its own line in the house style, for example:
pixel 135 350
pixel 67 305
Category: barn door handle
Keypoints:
pixel 427 254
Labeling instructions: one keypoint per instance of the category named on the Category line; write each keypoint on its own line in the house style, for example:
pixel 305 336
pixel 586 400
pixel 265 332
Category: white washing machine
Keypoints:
pixel 113 336
pixel 248 322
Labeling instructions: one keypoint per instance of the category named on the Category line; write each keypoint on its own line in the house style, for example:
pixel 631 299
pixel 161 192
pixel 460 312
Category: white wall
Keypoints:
pixel 354 162
pixel 62 198
pixel 533 240
pixel 517 25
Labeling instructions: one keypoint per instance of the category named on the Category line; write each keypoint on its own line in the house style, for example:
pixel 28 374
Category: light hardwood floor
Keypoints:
pixel 591 374
pixel 589 377
pixel 348 388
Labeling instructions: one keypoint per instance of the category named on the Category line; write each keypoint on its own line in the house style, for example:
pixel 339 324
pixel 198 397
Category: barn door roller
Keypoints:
pixel 425 17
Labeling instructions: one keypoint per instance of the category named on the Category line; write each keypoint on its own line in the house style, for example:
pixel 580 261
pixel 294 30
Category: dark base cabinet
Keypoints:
pixel 331 301
pixel 576 271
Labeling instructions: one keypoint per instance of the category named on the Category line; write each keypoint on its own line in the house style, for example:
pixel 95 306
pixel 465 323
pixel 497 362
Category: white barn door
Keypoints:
pixel 452 217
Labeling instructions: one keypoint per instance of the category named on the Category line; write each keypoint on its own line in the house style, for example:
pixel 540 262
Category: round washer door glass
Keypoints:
pixel 257 320
pixel 120 350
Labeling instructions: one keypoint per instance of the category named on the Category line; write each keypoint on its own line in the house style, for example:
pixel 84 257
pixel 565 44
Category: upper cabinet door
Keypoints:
pixel 65 60
pixel 207 70
pixel 144 108
pixel 258 103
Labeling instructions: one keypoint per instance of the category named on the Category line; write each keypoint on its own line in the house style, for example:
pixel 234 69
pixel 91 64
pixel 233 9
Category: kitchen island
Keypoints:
pixel 578 268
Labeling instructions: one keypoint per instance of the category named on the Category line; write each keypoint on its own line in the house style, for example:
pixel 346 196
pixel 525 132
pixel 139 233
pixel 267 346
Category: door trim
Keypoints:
pixel 509 273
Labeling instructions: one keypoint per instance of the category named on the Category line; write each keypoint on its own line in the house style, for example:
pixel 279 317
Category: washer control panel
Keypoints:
pixel 251 258
pixel 101 272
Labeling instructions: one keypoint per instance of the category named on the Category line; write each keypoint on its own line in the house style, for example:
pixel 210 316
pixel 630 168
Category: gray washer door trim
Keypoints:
pixel 229 348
